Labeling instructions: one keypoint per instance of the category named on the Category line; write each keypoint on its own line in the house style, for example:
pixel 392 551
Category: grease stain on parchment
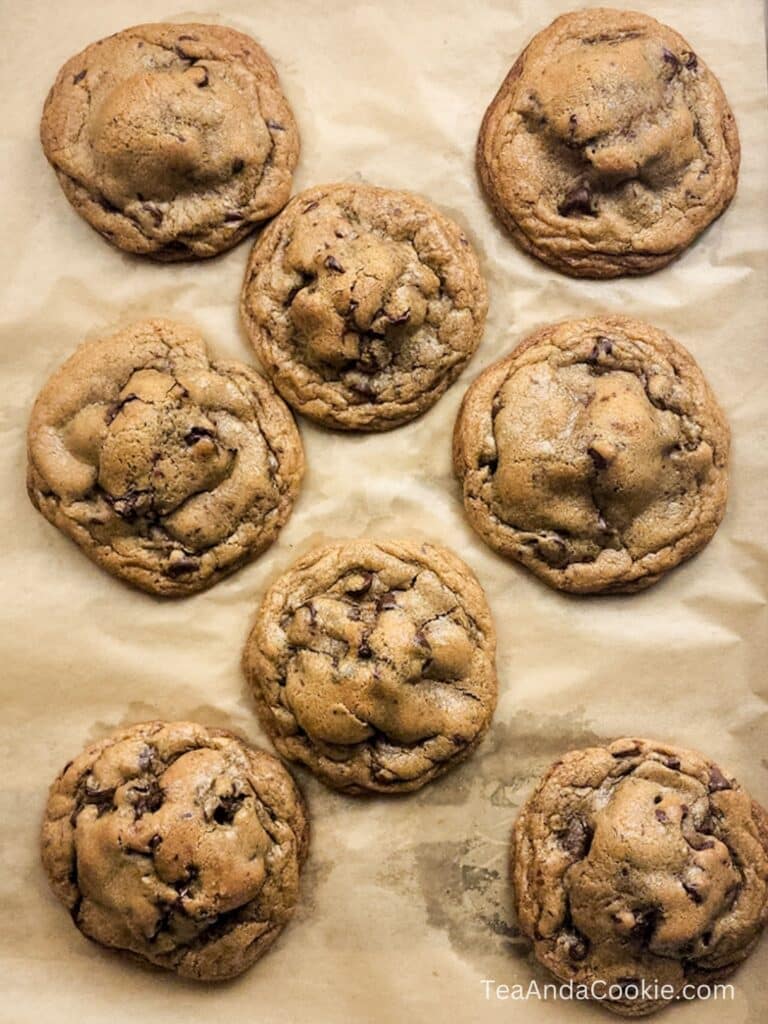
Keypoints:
pixel 464 883
pixel 510 755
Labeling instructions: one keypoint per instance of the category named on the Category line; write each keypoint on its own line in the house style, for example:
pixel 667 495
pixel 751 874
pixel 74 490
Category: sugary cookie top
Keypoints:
pixel 640 861
pixel 172 140
pixel 363 305
pixel 373 663
pixel 610 146
pixel 179 844
pixel 169 469
pixel 595 453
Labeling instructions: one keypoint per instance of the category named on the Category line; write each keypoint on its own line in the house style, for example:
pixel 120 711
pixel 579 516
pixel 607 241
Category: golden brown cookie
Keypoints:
pixel 372 663
pixel 640 862
pixel 179 844
pixel 363 305
pixel 595 454
pixel 610 145
pixel 173 141
pixel 167 469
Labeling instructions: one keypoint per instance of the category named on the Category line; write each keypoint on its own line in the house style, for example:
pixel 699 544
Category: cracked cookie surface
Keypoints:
pixel 640 861
pixel 609 147
pixel 595 454
pixel 372 663
pixel 172 141
pixel 363 305
pixel 167 469
pixel 179 844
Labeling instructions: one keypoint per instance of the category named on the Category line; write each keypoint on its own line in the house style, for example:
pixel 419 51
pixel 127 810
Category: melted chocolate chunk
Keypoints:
pixel 578 201
pixel 147 798
pixel 717 781
pixel 333 264
pixel 195 434
pixel 227 808
pixel 577 838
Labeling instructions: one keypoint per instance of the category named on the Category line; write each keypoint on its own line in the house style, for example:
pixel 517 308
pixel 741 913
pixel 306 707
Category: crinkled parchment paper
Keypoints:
pixel 405 902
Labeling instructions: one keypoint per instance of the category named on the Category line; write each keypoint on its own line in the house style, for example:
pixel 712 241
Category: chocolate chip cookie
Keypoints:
pixel 173 141
pixel 595 454
pixel 640 862
pixel 372 663
pixel 363 305
pixel 178 844
pixel 610 145
pixel 169 470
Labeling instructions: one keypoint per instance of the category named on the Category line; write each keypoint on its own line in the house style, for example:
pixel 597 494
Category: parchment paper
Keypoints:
pixel 405 902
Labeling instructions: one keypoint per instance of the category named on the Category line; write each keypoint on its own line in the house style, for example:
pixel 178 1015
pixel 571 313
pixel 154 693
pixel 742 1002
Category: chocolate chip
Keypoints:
pixel 693 892
pixel 387 601
pixel 79 76
pixel 577 838
pixel 147 798
pixel 275 126
pixel 661 816
pixel 577 201
pixel 232 216
pixel 131 504
pixel 155 841
pixel 600 462
pixel 690 60
pixel 181 566
pixel 646 922
pixel 602 347
pixel 195 434
pixel 673 763
pixel 238 165
pixel 227 808
pixel 699 842
pixel 669 58
pixel 364 650
pixel 333 264
pixel 101 799
pixel 717 781
pixel 366 578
